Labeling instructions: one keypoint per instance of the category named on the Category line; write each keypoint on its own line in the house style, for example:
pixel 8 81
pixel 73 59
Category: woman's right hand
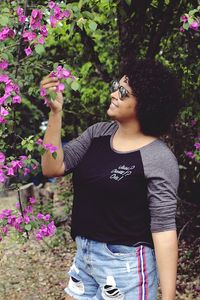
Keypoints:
pixel 50 83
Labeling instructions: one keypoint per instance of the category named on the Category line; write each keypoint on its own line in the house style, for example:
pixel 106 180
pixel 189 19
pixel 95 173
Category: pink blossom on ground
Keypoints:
pixel 4 65
pixel 47 218
pixel 28 51
pixel 4 230
pixel 32 200
pixel 16 99
pixel 40 216
pixel 10 172
pixel 26 171
pixel 194 25
pixel 17 164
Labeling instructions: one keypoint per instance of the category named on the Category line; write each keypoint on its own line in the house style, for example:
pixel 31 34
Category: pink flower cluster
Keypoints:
pixel 41 224
pixel 60 73
pixel 194 25
pixel 48 147
pixel 58 14
pixel 6 33
pixel 196 153
pixel 12 168
pixel 11 90
pixel 38 30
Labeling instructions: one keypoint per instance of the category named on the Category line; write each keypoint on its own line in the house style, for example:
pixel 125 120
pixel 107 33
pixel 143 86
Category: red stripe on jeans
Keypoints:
pixel 139 274
pixel 145 274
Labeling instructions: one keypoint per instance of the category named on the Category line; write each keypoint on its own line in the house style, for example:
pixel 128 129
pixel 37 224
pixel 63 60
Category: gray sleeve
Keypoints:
pixel 76 149
pixel 162 174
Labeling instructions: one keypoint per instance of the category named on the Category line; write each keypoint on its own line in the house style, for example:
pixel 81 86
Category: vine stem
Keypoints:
pixel 21 209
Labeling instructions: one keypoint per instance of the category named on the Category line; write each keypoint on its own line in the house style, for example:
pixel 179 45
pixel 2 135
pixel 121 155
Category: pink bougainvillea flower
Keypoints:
pixel 4 229
pixel 29 36
pixel 50 147
pixel 194 25
pixel 39 142
pixel 40 216
pixel 26 219
pixel 23 157
pixel 16 99
pixel 22 19
pixel 52 4
pixel 4 78
pixel 20 11
pixel 26 171
pixel 4 65
pixel 44 31
pixel 47 218
pixel 10 172
pixel 6 33
pixel 53 21
pixel 17 205
pixel 43 92
pixel 17 164
pixel 28 210
pixel 51 228
pixel 36 17
pixel 60 87
pixel 40 40
pixel 2 178
pixel 184 18
pixel 2 157
pixel 3 111
pixel 190 154
pixel 32 200
pixel 197 146
pixel 66 14
pixel 28 51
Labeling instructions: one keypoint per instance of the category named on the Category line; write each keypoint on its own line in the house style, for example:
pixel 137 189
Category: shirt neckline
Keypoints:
pixel 131 151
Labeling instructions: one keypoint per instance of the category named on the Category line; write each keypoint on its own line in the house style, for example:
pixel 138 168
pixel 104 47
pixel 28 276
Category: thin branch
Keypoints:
pixel 93 56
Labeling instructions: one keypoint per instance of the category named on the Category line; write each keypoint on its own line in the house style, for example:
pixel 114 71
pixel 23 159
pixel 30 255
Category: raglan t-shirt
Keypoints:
pixel 121 197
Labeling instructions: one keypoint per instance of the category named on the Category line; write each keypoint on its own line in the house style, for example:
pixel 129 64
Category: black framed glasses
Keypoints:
pixel 115 86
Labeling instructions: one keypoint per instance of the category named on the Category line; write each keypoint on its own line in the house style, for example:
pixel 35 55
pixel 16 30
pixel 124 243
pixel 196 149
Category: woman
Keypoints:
pixel 125 189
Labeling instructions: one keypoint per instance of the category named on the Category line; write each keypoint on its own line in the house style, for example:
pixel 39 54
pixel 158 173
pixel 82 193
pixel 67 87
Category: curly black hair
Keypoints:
pixel 158 95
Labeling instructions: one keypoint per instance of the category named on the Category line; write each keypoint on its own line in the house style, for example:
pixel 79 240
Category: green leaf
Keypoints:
pixel 28 227
pixel 75 86
pixel 39 49
pixel 4 56
pixel 128 2
pixel 54 155
pixel 5 10
pixel 186 26
pixel 52 95
pixel 92 25
pixel 4 20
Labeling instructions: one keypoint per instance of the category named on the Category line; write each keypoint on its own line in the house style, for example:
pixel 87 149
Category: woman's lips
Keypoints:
pixel 113 105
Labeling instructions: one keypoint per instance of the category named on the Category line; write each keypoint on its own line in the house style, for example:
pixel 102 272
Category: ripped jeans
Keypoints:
pixel 105 271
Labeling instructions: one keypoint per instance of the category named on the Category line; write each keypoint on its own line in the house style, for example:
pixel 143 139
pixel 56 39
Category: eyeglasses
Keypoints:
pixel 115 86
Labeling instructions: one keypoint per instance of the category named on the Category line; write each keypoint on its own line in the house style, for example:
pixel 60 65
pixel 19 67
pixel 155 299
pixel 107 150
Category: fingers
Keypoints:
pixel 49 82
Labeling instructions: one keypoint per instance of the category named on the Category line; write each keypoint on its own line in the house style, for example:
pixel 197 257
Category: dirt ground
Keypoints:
pixel 34 271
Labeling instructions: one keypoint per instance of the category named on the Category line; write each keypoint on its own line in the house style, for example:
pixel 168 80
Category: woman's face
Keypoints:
pixel 123 109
